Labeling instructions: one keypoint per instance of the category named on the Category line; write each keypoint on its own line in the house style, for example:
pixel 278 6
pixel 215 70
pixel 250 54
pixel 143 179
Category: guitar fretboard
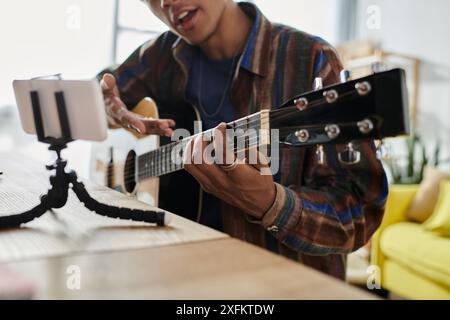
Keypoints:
pixel 169 158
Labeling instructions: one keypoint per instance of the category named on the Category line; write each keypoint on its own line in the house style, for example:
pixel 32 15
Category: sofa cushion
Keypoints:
pixel 422 251
pixel 426 197
pixel 405 283
pixel 440 220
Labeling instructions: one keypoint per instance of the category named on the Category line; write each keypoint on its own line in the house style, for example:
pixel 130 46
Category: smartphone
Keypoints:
pixel 84 104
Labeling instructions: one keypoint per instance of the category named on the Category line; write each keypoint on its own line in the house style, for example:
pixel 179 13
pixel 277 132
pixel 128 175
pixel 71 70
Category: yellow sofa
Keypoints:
pixel 414 263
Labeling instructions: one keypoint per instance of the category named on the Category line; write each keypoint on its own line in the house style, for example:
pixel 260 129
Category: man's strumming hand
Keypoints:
pixel 118 112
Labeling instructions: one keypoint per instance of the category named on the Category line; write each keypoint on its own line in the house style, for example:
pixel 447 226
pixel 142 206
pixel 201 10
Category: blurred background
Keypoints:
pixel 79 38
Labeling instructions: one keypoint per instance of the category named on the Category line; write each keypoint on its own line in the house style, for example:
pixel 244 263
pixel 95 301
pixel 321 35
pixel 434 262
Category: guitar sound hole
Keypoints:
pixel 130 172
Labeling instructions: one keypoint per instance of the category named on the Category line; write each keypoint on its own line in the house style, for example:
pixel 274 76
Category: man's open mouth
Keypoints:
pixel 185 18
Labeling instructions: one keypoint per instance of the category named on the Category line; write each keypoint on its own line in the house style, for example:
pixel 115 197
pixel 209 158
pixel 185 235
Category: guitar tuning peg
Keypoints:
pixel 301 103
pixel 366 126
pixel 363 88
pixel 345 75
pixel 350 156
pixel 302 135
pixel 320 154
pixel 333 131
pixel 383 151
pixel 331 96
pixel 318 83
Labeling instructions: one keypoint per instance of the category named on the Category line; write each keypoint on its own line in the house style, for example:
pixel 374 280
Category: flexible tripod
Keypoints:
pixel 61 181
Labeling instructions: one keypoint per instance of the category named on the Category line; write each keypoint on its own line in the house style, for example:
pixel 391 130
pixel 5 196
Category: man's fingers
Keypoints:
pixel 119 112
pixel 204 151
pixel 165 123
pixel 160 126
pixel 198 161
pixel 197 150
pixel 129 120
pixel 146 125
pixel 115 108
pixel 187 153
pixel 224 151
pixel 192 169
pixel 158 123
pixel 262 161
pixel 115 104
pixel 108 84
pixel 250 159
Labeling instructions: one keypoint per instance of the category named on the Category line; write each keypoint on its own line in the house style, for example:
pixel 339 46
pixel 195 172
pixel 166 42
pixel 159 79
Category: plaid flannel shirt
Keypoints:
pixel 321 213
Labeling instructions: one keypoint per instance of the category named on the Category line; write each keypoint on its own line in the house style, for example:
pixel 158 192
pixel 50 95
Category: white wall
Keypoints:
pixel 318 17
pixel 72 37
pixel 422 29
pixel 42 37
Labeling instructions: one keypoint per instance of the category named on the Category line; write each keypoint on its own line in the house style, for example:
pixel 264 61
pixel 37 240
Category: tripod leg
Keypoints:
pixel 158 217
pixel 17 220
pixel 55 198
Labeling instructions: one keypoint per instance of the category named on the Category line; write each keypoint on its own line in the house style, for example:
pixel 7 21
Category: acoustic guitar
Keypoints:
pixel 370 108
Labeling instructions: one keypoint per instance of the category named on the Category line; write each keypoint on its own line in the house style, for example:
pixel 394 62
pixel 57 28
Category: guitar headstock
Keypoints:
pixel 373 107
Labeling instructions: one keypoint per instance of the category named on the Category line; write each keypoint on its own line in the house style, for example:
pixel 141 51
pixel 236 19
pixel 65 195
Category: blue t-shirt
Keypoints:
pixel 208 89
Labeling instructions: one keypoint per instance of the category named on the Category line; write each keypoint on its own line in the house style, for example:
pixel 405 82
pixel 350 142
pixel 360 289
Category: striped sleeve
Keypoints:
pixel 131 75
pixel 337 207
pixel 326 63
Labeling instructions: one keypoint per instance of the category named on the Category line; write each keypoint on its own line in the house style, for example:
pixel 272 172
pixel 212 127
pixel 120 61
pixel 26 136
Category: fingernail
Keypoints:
pixel 137 129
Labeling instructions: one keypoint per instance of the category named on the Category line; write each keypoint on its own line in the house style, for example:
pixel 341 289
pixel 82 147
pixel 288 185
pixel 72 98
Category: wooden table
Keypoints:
pixel 188 261
pixel 77 229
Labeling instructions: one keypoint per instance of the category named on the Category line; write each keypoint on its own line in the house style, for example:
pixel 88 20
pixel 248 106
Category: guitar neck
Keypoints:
pixel 168 158
pixel 369 108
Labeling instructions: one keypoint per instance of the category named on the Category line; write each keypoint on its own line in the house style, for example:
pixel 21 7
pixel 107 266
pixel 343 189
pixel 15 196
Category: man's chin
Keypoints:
pixel 194 41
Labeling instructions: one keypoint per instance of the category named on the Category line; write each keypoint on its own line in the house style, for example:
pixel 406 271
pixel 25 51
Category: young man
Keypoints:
pixel 227 60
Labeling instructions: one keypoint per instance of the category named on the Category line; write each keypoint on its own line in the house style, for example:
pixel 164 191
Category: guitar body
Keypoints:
pixel 113 165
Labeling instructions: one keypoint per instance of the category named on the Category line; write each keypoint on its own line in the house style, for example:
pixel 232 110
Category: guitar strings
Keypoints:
pixel 168 163
pixel 167 158
pixel 162 162
pixel 175 145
